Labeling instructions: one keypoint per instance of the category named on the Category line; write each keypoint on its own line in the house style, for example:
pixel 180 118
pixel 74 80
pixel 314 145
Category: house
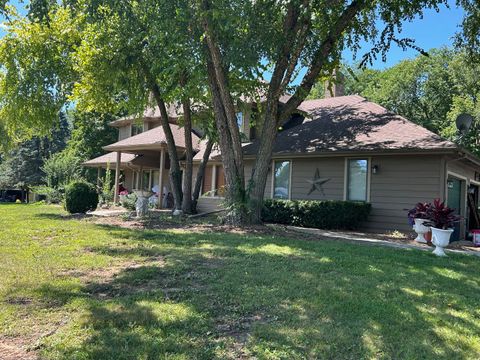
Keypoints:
pixel 338 148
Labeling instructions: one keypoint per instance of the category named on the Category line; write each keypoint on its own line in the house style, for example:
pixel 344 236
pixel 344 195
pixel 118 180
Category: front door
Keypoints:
pixel 455 202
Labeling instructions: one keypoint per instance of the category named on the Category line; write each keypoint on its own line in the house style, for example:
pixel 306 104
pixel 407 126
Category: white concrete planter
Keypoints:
pixel 141 206
pixel 421 230
pixel 441 239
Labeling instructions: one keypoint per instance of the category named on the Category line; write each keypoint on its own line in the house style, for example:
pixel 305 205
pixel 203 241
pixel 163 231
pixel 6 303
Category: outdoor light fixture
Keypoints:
pixel 375 169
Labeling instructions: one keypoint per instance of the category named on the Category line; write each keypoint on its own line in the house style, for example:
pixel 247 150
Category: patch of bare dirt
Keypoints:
pixel 15 348
pixel 162 223
pixel 236 333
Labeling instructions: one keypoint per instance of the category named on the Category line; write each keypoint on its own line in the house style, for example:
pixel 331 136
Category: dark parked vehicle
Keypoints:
pixel 12 195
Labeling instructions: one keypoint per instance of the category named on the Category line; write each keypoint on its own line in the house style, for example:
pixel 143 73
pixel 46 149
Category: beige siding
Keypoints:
pixel 209 204
pixel 303 171
pixel 461 168
pixel 124 132
pixel 401 182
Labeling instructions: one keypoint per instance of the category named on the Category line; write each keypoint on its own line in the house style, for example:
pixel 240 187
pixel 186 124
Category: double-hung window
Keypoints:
pixel 136 129
pixel 281 180
pixel 357 179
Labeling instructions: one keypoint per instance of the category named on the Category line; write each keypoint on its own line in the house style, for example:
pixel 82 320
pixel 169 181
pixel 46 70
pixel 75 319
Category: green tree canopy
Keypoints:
pixel 430 91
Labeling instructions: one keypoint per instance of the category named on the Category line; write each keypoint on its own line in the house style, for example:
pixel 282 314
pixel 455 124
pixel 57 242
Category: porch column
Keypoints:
pixel 99 175
pixel 150 180
pixel 160 178
pixel 117 176
pixel 214 181
pixel 141 178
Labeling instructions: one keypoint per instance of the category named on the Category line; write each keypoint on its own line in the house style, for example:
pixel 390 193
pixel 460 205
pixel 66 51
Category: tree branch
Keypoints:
pixel 321 56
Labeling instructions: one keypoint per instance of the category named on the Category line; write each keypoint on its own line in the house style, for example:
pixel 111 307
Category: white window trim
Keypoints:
pixel 369 176
pixel 272 192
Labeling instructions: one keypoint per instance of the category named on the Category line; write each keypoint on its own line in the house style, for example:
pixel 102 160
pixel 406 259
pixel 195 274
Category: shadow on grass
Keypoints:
pixel 53 216
pixel 217 295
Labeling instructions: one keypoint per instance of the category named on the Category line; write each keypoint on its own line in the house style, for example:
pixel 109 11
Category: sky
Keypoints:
pixel 433 31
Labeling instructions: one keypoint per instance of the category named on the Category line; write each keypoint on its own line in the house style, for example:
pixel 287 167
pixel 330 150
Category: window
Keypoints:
pixel 240 121
pixel 357 181
pixel 137 129
pixel 281 180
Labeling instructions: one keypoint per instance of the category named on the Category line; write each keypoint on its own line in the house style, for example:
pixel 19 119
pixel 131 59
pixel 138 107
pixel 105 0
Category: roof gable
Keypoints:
pixel 153 138
pixel 351 123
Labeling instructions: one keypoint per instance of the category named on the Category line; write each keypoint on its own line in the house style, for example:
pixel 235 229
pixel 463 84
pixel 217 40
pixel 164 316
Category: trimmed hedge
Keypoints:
pixel 80 197
pixel 345 215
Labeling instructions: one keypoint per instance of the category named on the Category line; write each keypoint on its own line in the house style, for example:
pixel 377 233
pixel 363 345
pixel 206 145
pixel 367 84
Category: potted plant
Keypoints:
pixel 417 217
pixel 441 219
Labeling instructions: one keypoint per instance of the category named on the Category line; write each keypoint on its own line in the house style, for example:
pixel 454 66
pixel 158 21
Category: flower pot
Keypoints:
pixel 421 230
pixel 441 239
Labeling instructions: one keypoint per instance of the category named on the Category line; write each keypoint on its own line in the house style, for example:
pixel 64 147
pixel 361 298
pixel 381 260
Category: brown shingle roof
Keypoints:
pixel 351 123
pixel 201 150
pixel 109 158
pixel 152 139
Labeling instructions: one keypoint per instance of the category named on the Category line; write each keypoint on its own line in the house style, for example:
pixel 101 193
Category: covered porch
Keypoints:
pixel 141 162
pixel 146 170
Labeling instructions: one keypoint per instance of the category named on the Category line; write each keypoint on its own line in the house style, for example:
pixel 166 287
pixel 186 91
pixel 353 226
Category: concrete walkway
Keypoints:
pixel 365 239
pixel 108 212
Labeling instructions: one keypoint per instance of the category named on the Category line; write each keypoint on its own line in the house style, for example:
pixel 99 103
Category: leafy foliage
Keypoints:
pixel 316 214
pixel 129 201
pixel 21 167
pixel 420 211
pixel 106 187
pixel 430 91
pixel 61 169
pixel 90 132
pixel 37 74
pixel 441 216
pixel 80 197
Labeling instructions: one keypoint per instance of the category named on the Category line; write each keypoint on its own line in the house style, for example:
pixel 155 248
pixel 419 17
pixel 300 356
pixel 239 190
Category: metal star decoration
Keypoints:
pixel 317 183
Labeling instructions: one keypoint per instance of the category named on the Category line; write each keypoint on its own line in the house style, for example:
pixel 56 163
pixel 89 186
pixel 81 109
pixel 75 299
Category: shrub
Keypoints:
pixel 80 197
pixel 129 201
pixel 316 214
pixel 52 195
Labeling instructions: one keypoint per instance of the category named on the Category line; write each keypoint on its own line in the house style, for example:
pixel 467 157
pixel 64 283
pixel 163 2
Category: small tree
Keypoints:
pixel 107 189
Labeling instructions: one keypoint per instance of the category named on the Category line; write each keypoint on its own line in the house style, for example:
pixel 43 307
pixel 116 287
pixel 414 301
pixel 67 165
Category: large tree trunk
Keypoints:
pixel 235 196
pixel 280 79
pixel 262 165
pixel 187 176
pixel 175 171
pixel 200 175
pixel 225 118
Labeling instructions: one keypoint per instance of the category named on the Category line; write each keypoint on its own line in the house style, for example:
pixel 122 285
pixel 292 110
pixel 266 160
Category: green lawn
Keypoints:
pixel 79 290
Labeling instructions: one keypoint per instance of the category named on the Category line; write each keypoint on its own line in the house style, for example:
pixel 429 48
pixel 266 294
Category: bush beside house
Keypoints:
pixel 347 215
pixel 80 197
